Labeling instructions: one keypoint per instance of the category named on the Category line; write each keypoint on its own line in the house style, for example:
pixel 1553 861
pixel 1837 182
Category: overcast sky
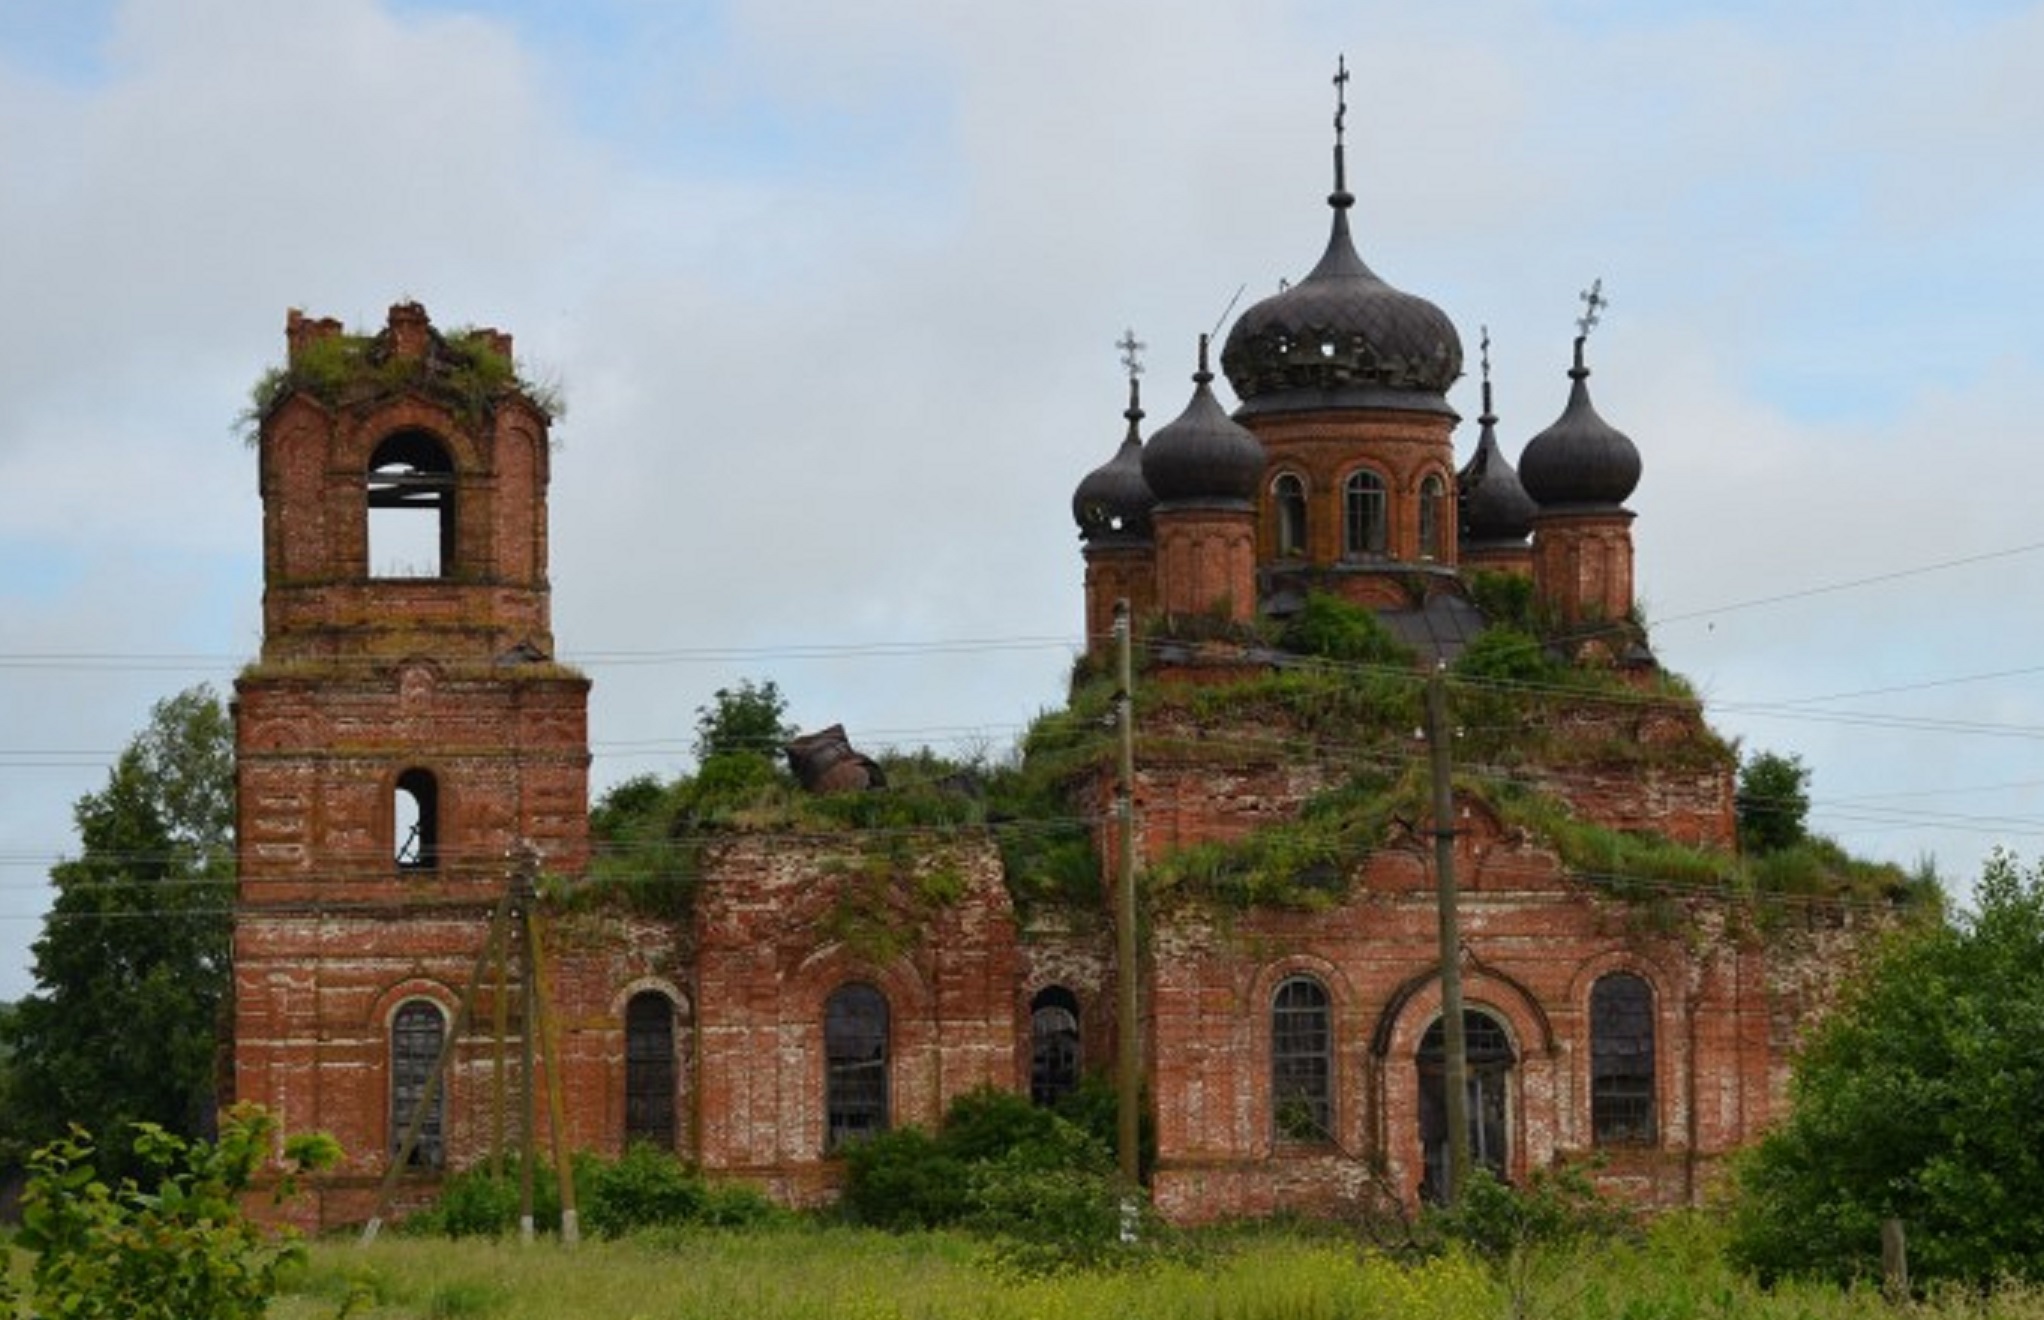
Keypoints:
pixel 832 291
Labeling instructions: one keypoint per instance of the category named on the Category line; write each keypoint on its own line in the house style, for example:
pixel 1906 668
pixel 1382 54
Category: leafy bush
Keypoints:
pixel 178 1250
pixel 473 1203
pixel 643 1188
pixel 904 1179
pixel 1048 1220
pixel 1333 629
pixel 1773 802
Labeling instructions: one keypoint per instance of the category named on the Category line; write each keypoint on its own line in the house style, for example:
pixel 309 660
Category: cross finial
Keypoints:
pixel 1486 354
pixel 1594 302
pixel 1131 352
pixel 1340 93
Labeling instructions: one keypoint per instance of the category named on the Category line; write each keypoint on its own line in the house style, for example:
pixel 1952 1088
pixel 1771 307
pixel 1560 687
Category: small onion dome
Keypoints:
pixel 1205 456
pixel 1112 505
pixel 1495 506
pixel 1581 460
pixel 1342 337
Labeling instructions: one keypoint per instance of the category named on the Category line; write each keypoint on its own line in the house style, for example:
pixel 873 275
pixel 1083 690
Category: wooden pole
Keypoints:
pixel 557 1109
pixel 1455 1072
pixel 500 1060
pixel 1129 1089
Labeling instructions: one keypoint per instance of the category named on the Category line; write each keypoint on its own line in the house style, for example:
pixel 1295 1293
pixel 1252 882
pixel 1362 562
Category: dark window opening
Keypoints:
pixel 649 1070
pixel 1488 1060
pixel 1301 1062
pixel 1053 1045
pixel 1363 508
pixel 1622 1061
pixel 411 508
pixel 1288 496
pixel 1431 492
pixel 415 815
pixel 416 1034
pixel 855 1065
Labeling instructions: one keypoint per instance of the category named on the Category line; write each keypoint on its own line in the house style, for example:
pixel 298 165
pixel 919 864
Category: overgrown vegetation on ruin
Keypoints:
pixel 462 371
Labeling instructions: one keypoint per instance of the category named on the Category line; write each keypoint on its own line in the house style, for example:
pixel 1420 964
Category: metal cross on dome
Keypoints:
pixel 1131 352
pixel 1340 93
pixel 1486 354
pixel 1594 302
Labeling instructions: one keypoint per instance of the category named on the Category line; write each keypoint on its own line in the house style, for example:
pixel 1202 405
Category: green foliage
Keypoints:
pixel 1331 628
pixel 1527 1235
pixel 747 720
pixel 1507 601
pixel 1916 1099
pixel 643 1189
pixel 1504 654
pixel 131 969
pixel 171 1247
pixel 1773 802
pixel 993 1152
pixel 1308 863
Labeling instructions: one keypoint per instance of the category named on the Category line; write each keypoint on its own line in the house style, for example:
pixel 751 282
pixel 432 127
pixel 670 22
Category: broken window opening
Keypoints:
pixel 855 1065
pixel 415 813
pixel 1430 522
pixel 1622 1061
pixel 410 489
pixel 416 1034
pixel 1363 505
pixel 1301 1062
pixel 1488 1060
pixel 1053 1045
pixel 1288 495
pixel 649 1070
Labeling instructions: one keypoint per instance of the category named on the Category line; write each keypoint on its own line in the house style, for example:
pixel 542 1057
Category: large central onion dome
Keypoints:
pixel 1582 461
pixel 1203 456
pixel 1342 338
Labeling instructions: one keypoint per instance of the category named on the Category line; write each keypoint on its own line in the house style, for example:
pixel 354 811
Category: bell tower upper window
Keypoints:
pixel 410 487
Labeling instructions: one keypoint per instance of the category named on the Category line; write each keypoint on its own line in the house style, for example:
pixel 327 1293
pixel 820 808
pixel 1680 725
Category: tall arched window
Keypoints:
pixel 1622 1060
pixel 415 817
pixel 649 1069
pixel 1431 499
pixel 1363 515
pixel 410 489
pixel 1488 1058
pixel 416 1034
pixel 1301 1062
pixel 855 1065
pixel 1053 1044
pixel 1288 502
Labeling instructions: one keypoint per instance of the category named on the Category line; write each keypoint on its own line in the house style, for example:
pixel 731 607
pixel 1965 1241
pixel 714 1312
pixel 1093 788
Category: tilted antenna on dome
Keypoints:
pixel 1341 199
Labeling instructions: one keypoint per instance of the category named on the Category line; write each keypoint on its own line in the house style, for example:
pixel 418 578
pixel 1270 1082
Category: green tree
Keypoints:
pixel 1917 1099
pixel 747 720
pixel 1773 802
pixel 131 969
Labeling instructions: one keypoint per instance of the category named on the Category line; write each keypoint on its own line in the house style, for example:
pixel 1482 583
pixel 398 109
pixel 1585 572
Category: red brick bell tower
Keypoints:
pixel 406 734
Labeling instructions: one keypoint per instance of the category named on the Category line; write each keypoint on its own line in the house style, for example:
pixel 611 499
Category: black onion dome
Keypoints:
pixel 1581 460
pixel 1495 505
pixel 1204 456
pixel 1342 337
pixel 1112 504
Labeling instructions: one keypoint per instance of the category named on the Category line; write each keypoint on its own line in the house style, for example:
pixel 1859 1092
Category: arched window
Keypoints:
pixel 1053 1044
pixel 1488 1059
pixel 1288 501
pixel 415 815
pixel 416 1034
pixel 649 1069
pixel 1431 492
pixel 1622 1060
pixel 410 488
pixel 1363 515
pixel 1301 1062
pixel 855 1065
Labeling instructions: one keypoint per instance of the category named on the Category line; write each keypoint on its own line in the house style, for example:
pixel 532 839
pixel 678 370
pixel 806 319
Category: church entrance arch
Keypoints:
pixel 1488 1050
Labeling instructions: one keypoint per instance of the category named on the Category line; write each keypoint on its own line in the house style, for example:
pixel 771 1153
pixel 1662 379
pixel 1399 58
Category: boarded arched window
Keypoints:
pixel 416 1035
pixel 415 818
pixel 1301 1062
pixel 1622 1060
pixel 855 1065
pixel 649 1070
pixel 1432 504
pixel 410 492
pixel 1053 1045
pixel 1363 515
pixel 1288 502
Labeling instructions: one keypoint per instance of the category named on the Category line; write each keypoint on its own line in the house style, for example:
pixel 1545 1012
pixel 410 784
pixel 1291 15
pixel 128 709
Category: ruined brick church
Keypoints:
pixel 407 743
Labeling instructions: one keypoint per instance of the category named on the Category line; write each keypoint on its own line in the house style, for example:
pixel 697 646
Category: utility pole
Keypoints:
pixel 1130 1078
pixel 1455 1079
